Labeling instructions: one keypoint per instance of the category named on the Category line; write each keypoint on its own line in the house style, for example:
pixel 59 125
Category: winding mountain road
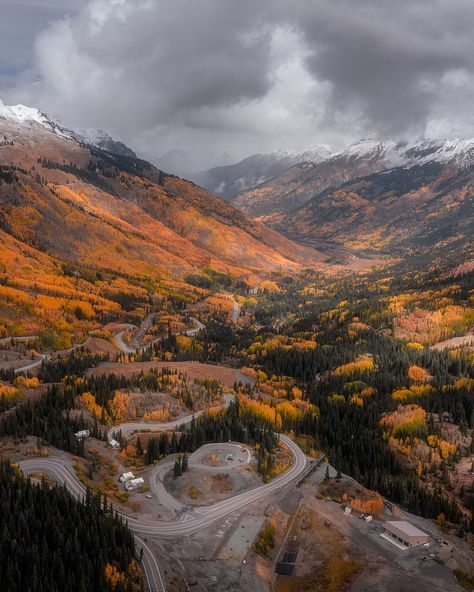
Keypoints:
pixel 127 428
pixel 189 522
pixel 133 347
pixel 194 520
pixel 124 347
pixel 42 357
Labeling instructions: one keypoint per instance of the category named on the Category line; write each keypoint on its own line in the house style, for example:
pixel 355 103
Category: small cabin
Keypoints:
pixel 134 483
pixel 126 477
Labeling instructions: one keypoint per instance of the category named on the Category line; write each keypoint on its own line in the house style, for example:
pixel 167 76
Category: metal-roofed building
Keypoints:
pixel 126 477
pixel 405 533
pixel 134 483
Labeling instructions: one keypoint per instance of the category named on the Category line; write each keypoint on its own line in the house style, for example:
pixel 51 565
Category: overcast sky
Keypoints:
pixel 235 77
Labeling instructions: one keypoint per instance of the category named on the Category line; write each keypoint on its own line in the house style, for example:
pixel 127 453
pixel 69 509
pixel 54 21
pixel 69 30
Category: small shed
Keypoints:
pixel 405 533
pixel 134 483
pixel 126 477
pixel 114 443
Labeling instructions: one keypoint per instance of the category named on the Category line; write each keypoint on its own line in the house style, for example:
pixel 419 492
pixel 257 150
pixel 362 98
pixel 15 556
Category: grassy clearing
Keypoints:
pixel 193 492
pixel 266 539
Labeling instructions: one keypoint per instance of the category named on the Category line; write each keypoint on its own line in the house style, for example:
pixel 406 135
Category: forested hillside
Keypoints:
pixel 87 235
pixel 52 543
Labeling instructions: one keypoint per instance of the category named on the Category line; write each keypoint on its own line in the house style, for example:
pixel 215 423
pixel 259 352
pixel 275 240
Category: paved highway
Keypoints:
pixel 42 357
pixel 124 347
pixel 196 519
pixel 235 314
pixel 151 567
pixel 32 365
pixel 189 522
pixel 133 347
pixel 119 341
pixel 128 428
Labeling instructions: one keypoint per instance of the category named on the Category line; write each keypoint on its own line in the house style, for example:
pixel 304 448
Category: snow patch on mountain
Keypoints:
pixel 457 151
pixel 31 116
pixel 393 152
pixel 22 114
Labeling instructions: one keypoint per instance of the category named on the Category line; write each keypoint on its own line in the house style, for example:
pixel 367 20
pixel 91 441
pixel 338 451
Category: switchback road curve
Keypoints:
pixel 189 522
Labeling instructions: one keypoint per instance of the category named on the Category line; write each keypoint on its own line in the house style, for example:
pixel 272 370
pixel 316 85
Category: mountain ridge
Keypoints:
pixel 228 181
pixel 131 188
pixel 295 186
pixel 22 114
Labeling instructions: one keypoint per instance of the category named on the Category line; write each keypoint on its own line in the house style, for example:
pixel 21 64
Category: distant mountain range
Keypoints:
pixel 230 180
pixel 373 197
pixel 296 185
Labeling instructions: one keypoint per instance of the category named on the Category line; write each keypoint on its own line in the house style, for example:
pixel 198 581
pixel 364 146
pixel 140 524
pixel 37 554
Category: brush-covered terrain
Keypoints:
pixel 85 234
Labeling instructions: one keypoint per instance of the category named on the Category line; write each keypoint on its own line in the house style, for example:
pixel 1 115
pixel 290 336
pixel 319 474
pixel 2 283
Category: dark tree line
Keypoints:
pixel 232 424
pixel 49 542
pixel 50 419
pixel 74 364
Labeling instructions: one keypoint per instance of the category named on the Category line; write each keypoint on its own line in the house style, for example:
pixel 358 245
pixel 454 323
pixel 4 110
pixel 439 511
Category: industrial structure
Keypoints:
pixel 404 533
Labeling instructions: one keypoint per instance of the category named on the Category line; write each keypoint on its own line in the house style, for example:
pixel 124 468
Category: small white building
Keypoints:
pixel 134 483
pixel 114 443
pixel 83 434
pixel 126 477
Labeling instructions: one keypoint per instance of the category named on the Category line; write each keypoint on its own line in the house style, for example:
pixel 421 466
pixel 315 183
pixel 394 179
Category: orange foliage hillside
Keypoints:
pixel 82 230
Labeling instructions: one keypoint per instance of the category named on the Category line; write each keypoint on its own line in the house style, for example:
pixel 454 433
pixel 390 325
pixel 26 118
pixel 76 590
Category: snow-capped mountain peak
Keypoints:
pixel 31 116
pixel 395 152
pixel 457 151
pixel 22 114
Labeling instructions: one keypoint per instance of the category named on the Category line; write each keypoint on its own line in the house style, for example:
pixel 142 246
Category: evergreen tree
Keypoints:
pixel 177 468
pixel 139 447
pixel 184 463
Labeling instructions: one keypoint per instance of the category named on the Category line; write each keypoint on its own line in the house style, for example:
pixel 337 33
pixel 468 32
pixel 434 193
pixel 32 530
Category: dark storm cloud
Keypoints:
pixel 157 62
pixel 246 75
pixel 20 22
pixel 389 56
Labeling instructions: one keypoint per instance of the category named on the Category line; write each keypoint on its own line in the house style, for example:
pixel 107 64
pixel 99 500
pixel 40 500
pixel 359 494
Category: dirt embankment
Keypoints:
pixel 194 370
pixel 198 487
pixel 463 341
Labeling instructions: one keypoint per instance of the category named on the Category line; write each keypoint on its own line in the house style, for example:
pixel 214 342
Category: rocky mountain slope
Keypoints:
pixel 69 205
pixel 297 185
pixel 423 208
pixel 73 200
pixel 384 197
pixel 231 180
